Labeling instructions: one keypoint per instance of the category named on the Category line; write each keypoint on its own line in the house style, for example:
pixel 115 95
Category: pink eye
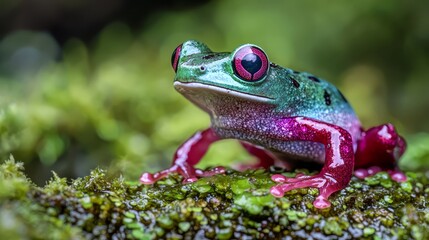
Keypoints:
pixel 175 57
pixel 250 63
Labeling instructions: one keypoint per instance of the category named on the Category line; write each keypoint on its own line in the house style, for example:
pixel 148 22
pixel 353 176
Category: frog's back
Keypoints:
pixel 316 98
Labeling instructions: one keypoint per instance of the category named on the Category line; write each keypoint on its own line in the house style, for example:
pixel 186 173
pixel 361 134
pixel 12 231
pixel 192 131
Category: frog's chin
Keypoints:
pixel 192 88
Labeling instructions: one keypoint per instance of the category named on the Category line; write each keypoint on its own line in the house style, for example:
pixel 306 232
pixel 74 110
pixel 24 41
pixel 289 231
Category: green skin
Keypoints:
pixel 280 116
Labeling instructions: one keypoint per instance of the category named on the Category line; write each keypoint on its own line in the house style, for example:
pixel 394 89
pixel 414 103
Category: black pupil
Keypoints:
pixel 252 63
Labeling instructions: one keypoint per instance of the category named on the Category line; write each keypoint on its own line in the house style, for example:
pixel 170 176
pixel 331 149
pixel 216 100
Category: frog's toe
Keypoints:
pixel 189 174
pixel 367 172
pixel 192 175
pixel 321 202
pixel 279 178
pixel 361 173
pixel 147 178
pixel 210 172
pixel 189 180
pixel 277 191
pixel 397 175
pixel 282 179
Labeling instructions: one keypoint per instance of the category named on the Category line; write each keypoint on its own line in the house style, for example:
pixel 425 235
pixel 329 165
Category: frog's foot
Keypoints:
pixel 190 174
pixel 380 149
pixel 326 185
pixel 186 157
pixel 396 174
pixel 367 172
pixel 279 178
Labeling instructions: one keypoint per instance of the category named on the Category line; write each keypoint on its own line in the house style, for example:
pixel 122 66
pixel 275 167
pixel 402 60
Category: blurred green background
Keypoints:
pixel 89 83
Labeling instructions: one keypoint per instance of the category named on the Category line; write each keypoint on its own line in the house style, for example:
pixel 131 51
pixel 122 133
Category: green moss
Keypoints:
pixel 406 186
pixel 368 231
pixel 20 217
pixel 253 204
pixel 240 186
pixel 13 183
pixel 333 227
pixel 202 186
pixel 234 205
pixel 224 233
pixel 139 234
pixel 184 226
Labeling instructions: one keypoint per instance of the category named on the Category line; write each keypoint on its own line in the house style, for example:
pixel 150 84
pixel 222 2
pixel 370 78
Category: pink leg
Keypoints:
pixel 186 157
pixel 339 158
pixel 265 158
pixel 380 149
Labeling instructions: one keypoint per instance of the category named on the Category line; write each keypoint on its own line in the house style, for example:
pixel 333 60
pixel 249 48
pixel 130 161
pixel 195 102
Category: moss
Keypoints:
pixel 20 217
pixel 234 205
pixel 13 183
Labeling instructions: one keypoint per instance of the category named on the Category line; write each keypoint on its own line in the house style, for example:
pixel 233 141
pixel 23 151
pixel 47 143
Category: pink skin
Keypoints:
pixel 339 159
pixel 379 149
pixel 265 158
pixel 186 157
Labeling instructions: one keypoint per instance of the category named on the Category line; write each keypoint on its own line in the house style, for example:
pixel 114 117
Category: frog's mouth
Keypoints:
pixel 186 88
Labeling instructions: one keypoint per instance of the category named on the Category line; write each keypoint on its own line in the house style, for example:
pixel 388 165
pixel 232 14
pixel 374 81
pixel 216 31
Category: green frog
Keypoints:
pixel 282 117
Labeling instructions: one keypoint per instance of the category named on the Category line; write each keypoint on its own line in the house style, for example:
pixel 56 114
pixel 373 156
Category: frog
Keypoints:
pixel 282 117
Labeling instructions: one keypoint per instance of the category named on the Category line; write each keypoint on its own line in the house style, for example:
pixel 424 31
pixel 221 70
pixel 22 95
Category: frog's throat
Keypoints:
pixel 182 87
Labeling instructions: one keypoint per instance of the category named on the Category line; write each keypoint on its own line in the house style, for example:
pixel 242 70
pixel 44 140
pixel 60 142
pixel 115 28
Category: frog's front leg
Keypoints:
pixel 380 149
pixel 186 157
pixel 339 158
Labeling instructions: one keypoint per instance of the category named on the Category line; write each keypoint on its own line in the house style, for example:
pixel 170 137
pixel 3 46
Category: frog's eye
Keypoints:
pixel 250 63
pixel 175 57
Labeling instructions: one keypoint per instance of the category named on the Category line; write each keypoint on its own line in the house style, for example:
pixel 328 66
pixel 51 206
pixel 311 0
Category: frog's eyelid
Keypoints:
pixel 175 57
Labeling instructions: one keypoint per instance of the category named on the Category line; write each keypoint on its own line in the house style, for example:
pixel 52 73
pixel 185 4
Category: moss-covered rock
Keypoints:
pixel 234 205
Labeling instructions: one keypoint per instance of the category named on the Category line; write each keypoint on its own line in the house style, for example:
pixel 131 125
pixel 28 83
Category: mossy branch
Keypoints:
pixel 234 205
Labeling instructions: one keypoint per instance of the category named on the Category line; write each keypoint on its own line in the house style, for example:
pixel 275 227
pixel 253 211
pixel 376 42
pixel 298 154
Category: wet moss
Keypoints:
pixel 230 206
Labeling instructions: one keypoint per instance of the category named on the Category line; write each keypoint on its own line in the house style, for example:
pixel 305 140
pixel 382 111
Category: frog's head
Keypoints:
pixel 209 79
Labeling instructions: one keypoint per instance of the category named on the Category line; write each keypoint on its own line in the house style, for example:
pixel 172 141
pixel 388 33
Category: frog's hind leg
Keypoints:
pixel 380 149
pixel 265 158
